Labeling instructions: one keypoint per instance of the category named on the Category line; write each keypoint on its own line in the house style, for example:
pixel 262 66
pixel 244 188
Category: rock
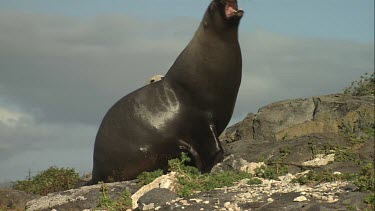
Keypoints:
pixel 276 117
pixel 231 206
pixel 300 199
pixel 320 160
pixel 155 198
pixel 165 181
pixel 366 152
pixel 13 199
pixel 240 131
pixel 322 114
pixel 294 151
pixel 250 167
pixel 83 181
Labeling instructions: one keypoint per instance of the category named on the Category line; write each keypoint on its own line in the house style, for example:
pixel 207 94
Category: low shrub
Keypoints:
pixel 53 179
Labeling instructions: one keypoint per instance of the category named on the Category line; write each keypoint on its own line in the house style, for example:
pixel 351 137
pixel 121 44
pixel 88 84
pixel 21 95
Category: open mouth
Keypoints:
pixel 231 9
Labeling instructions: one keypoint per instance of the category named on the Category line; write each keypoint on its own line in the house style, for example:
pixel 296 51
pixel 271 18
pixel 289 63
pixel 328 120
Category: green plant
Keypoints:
pixel 360 130
pixel 105 201
pixel 272 171
pixel 147 177
pixel 51 180
pixel 123 202
pixel 363 86
pixel 351 208
pixel 370 201
pixel 284 151
pixel 365 180
pixel 313 149
pixel 227 178
pixel 275 167
pixel 285 136
pixel 190 180
pixel 346 154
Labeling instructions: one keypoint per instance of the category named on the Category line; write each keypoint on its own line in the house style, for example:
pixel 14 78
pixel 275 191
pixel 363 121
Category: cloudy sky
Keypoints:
pixel 63 64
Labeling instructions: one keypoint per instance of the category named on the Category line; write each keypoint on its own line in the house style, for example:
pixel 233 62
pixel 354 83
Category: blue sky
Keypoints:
pixel 309 18
pixel 63 64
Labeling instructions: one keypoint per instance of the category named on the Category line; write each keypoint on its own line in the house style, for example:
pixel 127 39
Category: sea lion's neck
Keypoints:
pixel 208 60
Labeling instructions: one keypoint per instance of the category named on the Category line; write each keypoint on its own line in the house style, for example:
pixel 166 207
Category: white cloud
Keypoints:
pixel 28 144
pixel 12 118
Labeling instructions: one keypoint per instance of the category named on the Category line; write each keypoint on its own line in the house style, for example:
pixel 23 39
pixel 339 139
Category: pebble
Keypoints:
pixel 227 204
pixel 337 173
pixel 196 200
pixel 184 202
pixel 300 199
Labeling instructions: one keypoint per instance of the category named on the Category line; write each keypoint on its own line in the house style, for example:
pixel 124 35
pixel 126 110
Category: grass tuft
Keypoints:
pixel 190 180
pixel 122 203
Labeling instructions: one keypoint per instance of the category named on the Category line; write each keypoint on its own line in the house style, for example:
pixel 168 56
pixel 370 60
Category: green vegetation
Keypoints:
pixel 123 202
pixel 275 167
pixel 346 154
pixel 51 180
pixel 360 130
pixel 147 177
pixel 357 133
pixel 190 180
pixel 364 180
pixel 272 171
pixel 370 200
pixel 364 86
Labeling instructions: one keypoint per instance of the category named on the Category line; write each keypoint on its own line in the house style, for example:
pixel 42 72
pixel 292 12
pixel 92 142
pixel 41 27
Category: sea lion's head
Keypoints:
pixel 223 14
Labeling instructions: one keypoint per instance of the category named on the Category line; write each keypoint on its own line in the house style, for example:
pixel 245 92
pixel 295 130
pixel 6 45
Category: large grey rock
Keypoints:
pixel 290 119
pixel 281 115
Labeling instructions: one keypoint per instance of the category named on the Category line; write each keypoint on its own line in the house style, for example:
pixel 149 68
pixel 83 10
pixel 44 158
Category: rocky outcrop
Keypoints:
pixel 290 119
pixel 312 133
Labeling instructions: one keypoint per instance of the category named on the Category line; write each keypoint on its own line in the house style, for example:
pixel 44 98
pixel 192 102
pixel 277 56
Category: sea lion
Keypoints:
pixel 184 112
pixel 154 78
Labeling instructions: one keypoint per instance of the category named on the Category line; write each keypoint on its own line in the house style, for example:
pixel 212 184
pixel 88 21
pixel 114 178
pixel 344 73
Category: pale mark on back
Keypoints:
pixel 168 109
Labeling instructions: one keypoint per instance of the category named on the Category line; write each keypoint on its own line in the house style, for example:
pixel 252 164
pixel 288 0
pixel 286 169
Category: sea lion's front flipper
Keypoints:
pixel 197 159
pixel 220 152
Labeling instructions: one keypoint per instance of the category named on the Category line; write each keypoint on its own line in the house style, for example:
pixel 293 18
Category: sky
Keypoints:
pixel 63 64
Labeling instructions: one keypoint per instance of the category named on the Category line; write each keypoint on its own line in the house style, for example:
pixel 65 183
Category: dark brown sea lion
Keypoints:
pixel 184 112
